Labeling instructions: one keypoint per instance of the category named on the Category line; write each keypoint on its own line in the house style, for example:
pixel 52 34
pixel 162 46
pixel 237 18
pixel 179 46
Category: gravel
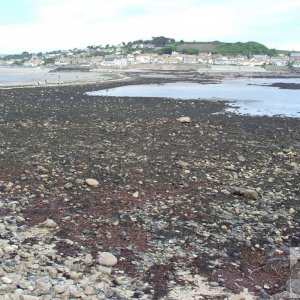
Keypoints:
pixel 116 198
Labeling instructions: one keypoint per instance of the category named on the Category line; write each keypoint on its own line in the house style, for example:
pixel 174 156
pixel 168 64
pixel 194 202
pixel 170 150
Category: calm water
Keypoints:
pixel 31 76
pixel 247 99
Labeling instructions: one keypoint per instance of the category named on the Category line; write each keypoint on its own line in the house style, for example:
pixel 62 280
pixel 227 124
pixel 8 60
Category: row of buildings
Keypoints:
pixel 123 60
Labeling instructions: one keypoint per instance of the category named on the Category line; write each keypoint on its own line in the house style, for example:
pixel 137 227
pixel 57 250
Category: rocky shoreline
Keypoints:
pixel 204 207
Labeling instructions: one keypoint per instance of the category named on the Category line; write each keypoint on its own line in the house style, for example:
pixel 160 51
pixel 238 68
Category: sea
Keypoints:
pixel 250 96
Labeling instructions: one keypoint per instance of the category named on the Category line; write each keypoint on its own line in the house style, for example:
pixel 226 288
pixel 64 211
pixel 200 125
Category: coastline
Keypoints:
pixel 170 204
pixel 46 76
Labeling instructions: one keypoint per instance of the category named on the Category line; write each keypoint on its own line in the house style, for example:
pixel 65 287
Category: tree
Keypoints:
pixel 166 50
pixel 162 41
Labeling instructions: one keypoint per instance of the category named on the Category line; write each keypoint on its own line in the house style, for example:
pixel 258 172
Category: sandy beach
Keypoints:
pixel 17 76
pixel 205 207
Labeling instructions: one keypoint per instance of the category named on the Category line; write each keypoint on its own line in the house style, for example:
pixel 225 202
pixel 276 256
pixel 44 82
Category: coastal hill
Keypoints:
pixel 164 45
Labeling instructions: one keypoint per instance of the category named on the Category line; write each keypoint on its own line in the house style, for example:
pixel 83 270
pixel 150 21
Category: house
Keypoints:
pixel 295 55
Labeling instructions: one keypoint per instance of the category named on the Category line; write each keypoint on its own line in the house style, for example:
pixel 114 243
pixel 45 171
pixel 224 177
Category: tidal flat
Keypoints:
pixel 206 206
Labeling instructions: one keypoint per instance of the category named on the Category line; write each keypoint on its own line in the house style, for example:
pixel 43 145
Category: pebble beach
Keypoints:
pixel 144 198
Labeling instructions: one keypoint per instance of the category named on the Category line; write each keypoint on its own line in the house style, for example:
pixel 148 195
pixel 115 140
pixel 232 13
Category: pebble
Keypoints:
pixel 135 194
pixel 29 297
pixel 75 275
pixel 43 285
pixel 52 272
pixel 247 193
pixel 6 280
pixel 75 293
pixel 184 120
pixel 20 219
pixel 92 182
pixel 49 223
pixel 88 260
pixel 68 185
pixel 59 289
pixel 107 259
pixel 89 291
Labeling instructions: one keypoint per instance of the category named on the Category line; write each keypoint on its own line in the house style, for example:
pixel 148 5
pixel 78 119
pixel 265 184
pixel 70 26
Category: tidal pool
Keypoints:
pixel 248 95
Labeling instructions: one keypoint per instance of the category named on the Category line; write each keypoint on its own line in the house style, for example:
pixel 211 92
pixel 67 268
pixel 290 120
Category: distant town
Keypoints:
pixel 159 50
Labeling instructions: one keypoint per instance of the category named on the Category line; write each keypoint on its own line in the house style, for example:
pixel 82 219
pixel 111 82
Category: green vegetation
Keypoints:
pixel 23 56
pixel 189 51
pixel 164 45
pixel 249 48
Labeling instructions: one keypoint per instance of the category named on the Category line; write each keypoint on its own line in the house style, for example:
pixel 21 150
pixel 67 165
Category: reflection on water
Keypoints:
pixel 247 94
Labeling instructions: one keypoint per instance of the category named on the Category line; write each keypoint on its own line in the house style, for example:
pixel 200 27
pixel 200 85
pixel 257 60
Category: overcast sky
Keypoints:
pixel 45 25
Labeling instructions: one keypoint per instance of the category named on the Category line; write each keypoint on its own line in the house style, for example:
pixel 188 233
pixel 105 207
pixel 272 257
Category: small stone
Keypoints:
pixel 1 253
pixel 89 291
pixel 107 259
pixel 23 124
pixel 68 185
pixel 8 186
pixel 247 193
pixel 292 210
pixel 224 228
pixel 42 170
pixel 184 120
pixel 20 219
pixel 241 158
pixel 135 194
pixel 79 181
pixel 92 182
pixel 8 249
pixel 104 270
pixel 75 293
pixel 49 223
pixel 295 286
pixel 74 275
pixel 43 285
pixel 88 260
pixel 52 272
pixel 6 280
pixel 182 164
pixel 59 289
pixel 29 297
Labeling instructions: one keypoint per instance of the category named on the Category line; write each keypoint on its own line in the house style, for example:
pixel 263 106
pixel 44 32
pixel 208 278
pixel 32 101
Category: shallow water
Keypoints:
pixel 31 76
pixel 247 95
